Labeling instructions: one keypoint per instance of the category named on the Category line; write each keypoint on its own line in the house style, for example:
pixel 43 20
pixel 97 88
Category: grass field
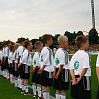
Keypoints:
pixel 8 91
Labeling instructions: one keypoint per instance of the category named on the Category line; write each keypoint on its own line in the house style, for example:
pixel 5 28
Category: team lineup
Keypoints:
pixel 49 70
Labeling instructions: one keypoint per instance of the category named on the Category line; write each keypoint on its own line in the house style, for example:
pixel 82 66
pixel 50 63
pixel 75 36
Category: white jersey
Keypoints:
pixel 10 57
pixel 36 59
pixel 20 50
pixel 14 57
pixel 79 61
pixel 7 51
pixel 97 62
pixel 26 58
pixel 54 50
pixel 4 52
pixel 46 58
pixel 1 55
pixel 61 58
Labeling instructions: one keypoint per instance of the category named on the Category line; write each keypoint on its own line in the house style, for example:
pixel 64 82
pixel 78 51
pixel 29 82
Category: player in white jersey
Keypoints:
pixel 7 51
pixel 61 74
pixel 97 72
pixel 10 63
pixel 15 63
pixel 20 50
pixel 36 78
pixel 47 66
pixel 3 60
pixel 80 70
pixel 25 63
pixel 1 57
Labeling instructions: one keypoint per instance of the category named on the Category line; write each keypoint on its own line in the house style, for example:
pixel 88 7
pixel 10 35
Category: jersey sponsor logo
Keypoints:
pixel 56 61
pixel 76 65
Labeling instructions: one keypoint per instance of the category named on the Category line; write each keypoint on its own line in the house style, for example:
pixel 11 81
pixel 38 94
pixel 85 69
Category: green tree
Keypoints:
pixel 93 36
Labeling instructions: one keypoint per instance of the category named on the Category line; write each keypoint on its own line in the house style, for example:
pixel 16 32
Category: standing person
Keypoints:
pixel 36 78
pixel 97 72
pixel 10 63
pixel 1 57
pixel 80 70
pixel 47 67
pixel 7 51
pixel 20 50
pixel 61 74
pixel 3 60
pixel 15 64
pixel 25 63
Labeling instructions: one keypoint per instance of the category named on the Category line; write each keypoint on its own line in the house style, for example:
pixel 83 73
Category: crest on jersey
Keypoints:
pixel 56 61
pixel 76 65
pixel 34 62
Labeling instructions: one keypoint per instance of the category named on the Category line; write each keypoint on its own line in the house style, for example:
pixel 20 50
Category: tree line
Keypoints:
pixel 92 35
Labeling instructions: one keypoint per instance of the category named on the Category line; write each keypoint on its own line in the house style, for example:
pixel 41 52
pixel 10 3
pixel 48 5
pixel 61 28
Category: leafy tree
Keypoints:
pixel 93 36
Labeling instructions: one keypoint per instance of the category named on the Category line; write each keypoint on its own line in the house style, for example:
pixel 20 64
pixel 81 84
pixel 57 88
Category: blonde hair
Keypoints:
pixel 38 43
pixel 16 45
pixel 61 39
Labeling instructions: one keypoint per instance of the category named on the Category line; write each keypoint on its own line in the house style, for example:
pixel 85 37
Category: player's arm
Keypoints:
pixel 59 71
pixel 73 76
pixel 19 59
pixel 82 74
pixel 97 72
pixel 54 73
pixel 97 67
pixel 24 59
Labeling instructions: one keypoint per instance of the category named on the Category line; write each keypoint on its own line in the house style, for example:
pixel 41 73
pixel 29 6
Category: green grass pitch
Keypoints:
pixel 8 91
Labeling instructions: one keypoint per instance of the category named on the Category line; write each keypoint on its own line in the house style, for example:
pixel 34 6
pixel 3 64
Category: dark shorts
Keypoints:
pixel 24 71
pixel 6 63
pixel 36 77
pixel 47 79
pixel 62 83
pixel 82 89
pixel 16 70
pixel 11 69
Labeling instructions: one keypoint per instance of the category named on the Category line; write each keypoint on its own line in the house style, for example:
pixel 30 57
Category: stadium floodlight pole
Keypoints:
pixel 93 14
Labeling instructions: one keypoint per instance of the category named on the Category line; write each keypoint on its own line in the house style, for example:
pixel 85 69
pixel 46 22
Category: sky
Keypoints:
pixel 33 18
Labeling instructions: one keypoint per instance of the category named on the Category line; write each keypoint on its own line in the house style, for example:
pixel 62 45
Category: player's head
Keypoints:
pixel 38 45
pixel 16 46
pixel 4 43
pixel 82 42
pixel 8 43
pixel 63 41
pixel 47 39
pixel 28 45
pixel 21 41
pixel 12 49
pixel 1 47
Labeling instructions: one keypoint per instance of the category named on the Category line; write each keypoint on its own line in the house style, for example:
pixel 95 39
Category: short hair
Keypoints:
pixel 16 45
pixel 27 43
pixel 46 37
pixel 8 42
pixel 80 40
pixel 11 47
pixel 62 39
pixel 21 40
pixel 38 43
pixel 4 43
